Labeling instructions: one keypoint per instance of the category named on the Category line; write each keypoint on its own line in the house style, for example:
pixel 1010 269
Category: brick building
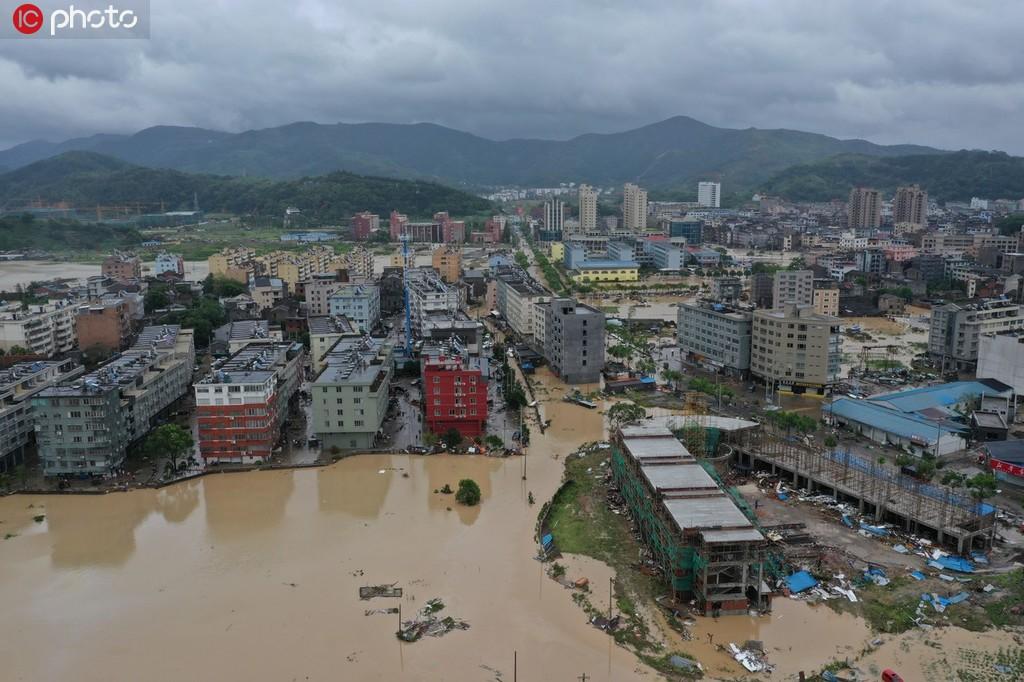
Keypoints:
pixel 107 325
pixel 122 266
pixel 364 224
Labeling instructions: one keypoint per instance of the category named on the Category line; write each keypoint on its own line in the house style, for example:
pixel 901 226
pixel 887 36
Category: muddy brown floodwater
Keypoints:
pixel 255 576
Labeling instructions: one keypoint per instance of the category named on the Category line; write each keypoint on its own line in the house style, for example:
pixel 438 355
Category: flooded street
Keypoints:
pixel 255 576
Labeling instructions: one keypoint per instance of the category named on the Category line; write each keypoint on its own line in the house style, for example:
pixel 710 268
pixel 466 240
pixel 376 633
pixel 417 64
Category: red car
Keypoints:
pixel 891 676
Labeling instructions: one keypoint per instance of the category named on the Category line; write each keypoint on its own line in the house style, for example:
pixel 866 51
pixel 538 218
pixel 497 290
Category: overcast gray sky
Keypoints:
pixel 937 72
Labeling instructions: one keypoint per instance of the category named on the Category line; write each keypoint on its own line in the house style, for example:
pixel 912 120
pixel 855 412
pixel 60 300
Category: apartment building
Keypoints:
pixel 45 329
pixel 864 210
pixel 318 290
pixel 910 206
pixel 516 294
pixel 241 406
pixel 350 393
pixel 634 208
pixel 429 296
pixel 447 260
pixel 715 336
pixel 826 297
pixel 168 262
pixel 573 340
pixel 324 332
pixel 364 224
pixel 267 292
pixel 454 390
pixel 85 427
pixel 103 324
pixel 726 289
pixel 762 289
pixel 793 286
pixel 18 383
pixel 954 336
pixel 709 194
pixel 235 263
pixel 232 337
pixel 358 262
pixel 795 348
pixel 588 209
pixel 292 267
pixel 122 266
pixel 359 301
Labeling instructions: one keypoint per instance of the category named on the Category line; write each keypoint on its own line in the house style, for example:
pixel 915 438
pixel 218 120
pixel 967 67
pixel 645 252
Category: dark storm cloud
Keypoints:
pixel 948 74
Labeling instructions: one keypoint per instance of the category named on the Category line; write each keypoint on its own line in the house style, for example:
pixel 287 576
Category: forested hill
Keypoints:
pixel 86 179
pixel 956 176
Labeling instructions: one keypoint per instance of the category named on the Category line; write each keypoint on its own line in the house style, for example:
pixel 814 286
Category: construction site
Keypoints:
pixel 877 489
pixel 697 532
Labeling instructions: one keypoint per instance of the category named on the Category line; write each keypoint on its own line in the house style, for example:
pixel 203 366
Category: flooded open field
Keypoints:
pixel 13 273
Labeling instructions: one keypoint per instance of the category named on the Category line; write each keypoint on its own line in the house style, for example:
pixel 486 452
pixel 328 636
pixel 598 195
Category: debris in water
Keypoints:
pixel 750 659
pixel 427 623
pixel 39 518
pixel 374 612
pixel 371 591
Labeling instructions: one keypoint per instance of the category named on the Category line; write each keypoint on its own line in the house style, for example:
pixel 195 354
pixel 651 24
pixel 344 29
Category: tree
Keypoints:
pixel 646 366
pixel 224 287
pixel 621 352
pixel 168 440
pixel 468 493
pixel 156 298
pixel 452 438
pixel 19 350
pixel 624 413
pixel 830 441
pixel 983 486
pixel 673 377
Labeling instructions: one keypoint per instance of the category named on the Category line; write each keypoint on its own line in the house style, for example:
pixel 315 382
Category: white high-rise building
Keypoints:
pixel 634 208
pixel 709 194
pixel 588 209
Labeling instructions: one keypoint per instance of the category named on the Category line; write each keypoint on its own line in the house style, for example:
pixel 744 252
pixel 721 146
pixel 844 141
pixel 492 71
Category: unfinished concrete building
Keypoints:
pixel 706 545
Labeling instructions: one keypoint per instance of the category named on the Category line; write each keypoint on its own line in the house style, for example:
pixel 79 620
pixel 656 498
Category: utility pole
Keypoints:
pixel 611 591
pixel 583 678
pixel 515 666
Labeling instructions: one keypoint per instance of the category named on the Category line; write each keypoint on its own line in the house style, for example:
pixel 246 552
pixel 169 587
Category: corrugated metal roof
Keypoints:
pixel 940 395
pixel 887 419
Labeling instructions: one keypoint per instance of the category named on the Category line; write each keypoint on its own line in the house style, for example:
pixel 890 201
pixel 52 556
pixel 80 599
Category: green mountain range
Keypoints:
pixel 86 179
pixel 952 176
pixel 675 152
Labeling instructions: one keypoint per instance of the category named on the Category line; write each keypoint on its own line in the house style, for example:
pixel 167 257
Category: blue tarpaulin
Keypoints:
pixel 954 563
pixel 546 540
pixel 917 575
pixel 800 581
pixel 874 530
pixel 847 521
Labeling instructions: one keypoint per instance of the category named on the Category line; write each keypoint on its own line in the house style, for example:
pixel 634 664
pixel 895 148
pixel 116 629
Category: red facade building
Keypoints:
pixel 241 406
pixel 364 224
pixel 454 391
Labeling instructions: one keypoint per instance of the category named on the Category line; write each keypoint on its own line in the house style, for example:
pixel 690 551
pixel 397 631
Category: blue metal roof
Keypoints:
pixel 940 395
pixel 606 263
pixel 887 419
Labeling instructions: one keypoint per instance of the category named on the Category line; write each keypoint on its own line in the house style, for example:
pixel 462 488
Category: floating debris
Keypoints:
pixel 427 623
pixel 371 591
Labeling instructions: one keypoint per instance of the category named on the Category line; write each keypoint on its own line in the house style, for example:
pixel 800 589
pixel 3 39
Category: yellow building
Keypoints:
pixel 556 252
pixel 447 260
pixel 233 263
pixel 596 271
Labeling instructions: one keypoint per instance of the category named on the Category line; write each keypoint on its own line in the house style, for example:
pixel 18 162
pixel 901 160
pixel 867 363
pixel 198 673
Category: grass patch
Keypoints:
pixel 582 523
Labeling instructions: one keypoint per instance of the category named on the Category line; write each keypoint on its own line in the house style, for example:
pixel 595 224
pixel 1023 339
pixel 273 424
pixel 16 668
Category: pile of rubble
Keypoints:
pixel 751 656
